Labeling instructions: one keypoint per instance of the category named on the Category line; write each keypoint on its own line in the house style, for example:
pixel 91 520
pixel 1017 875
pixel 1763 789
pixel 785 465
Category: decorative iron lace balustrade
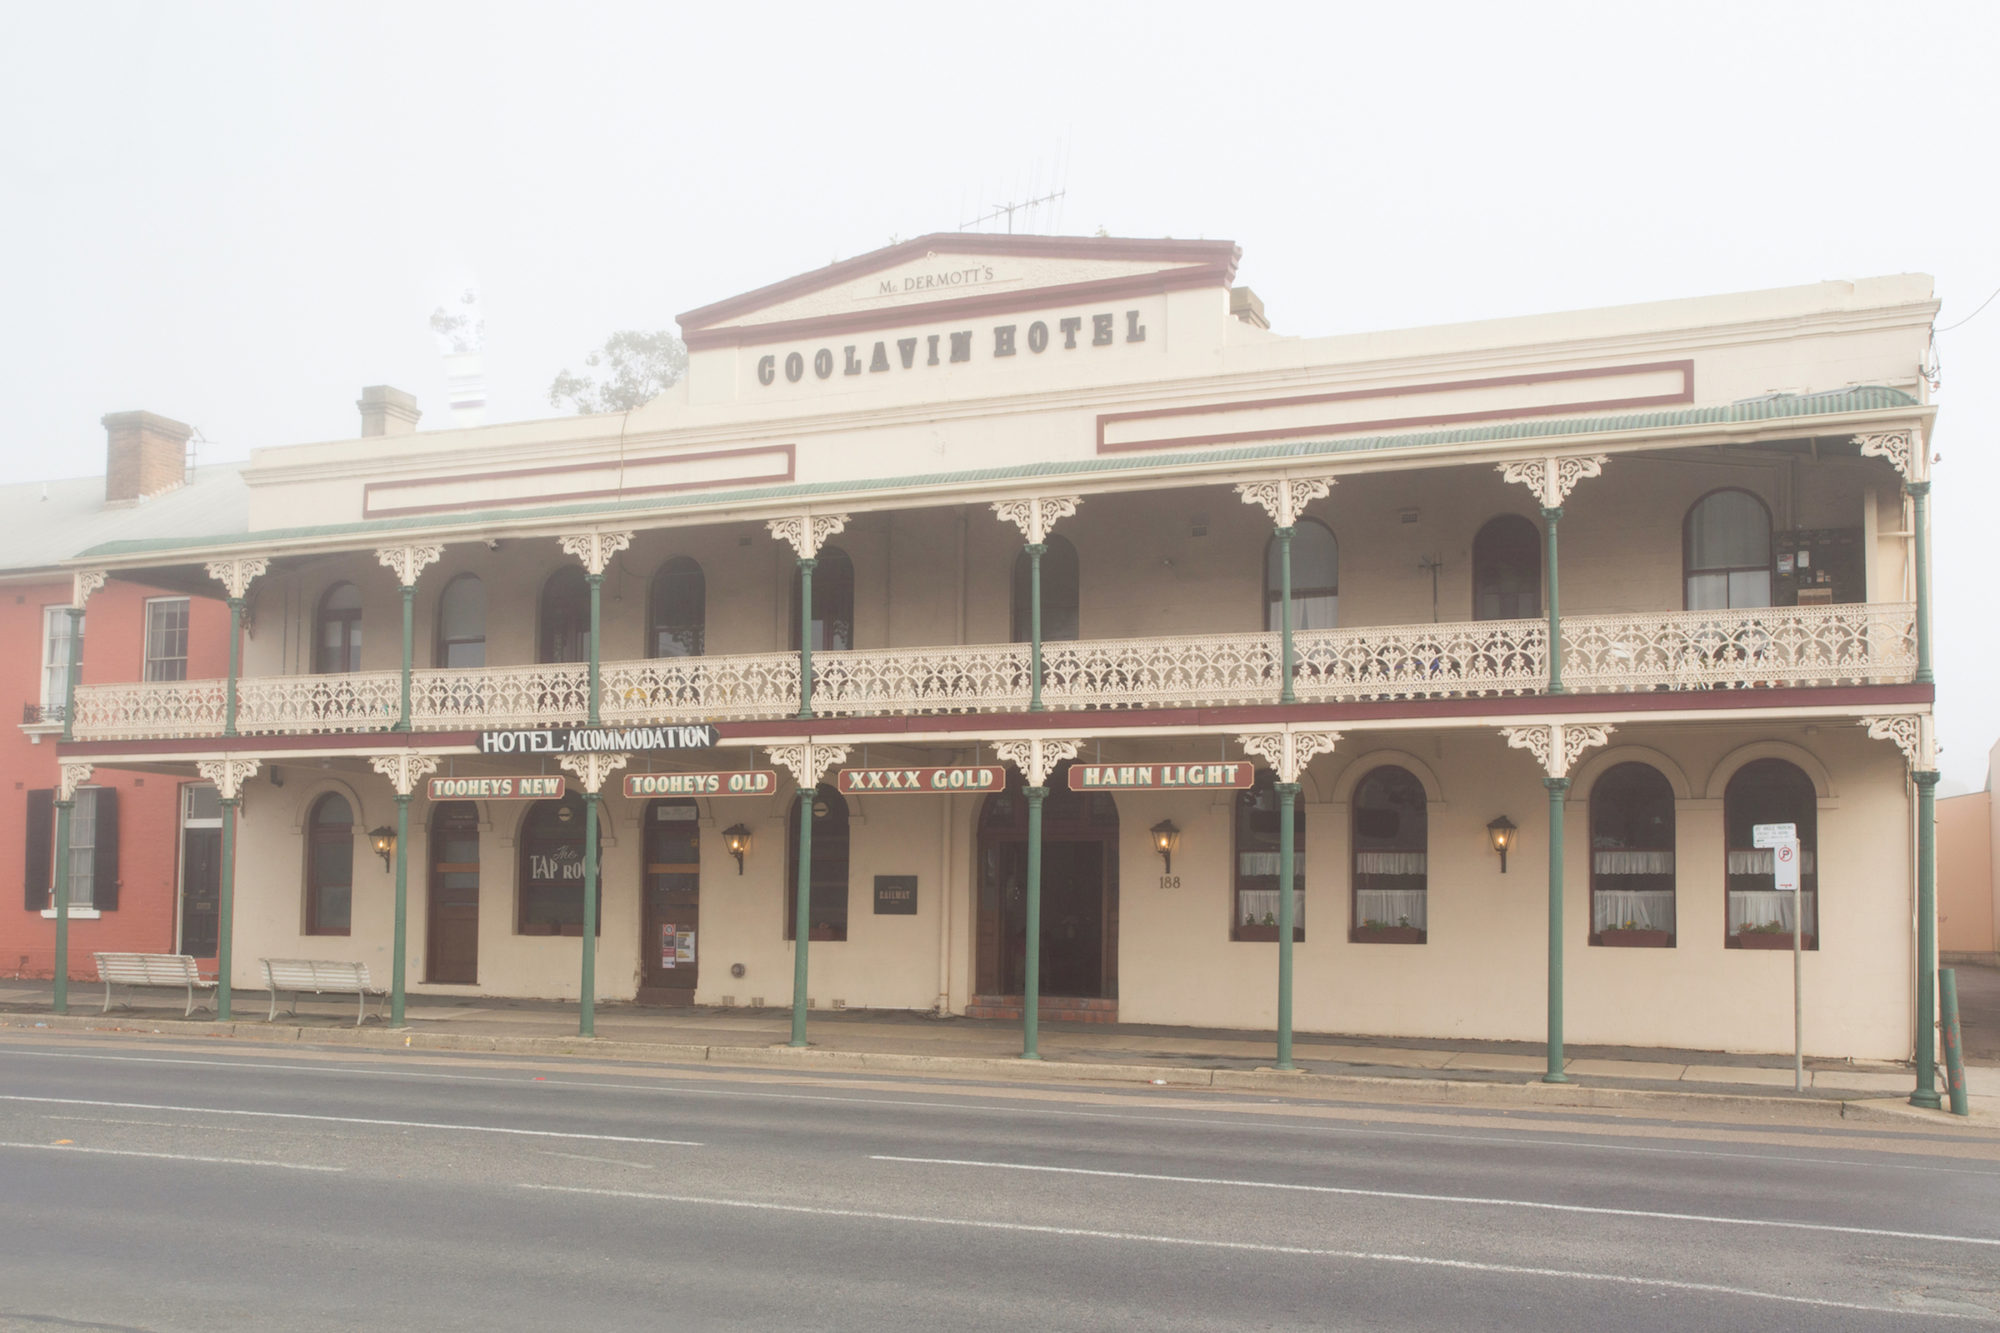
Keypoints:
pixel 972 678
pixel 1483 657
pixel 1691 650
pixel 1856 644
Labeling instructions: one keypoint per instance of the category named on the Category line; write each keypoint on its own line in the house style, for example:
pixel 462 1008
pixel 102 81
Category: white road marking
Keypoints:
pixel 586 1157
pixel 1526 1140
pixel 354 1120
pixel 170 1156
pixel 1304 1251
pixel 1408 1196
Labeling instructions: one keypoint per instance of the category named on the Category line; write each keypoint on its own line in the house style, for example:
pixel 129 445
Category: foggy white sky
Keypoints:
pixel 237 215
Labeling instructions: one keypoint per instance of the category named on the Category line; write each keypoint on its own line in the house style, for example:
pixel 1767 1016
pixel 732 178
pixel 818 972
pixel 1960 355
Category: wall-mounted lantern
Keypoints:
pixel 383 840
pixel 737 839
pixel 1501 832
pixel 1166 837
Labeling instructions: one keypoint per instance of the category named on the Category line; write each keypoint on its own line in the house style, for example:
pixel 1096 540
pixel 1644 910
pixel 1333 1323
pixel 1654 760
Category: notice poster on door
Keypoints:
pixel 670 944
pixel 684 947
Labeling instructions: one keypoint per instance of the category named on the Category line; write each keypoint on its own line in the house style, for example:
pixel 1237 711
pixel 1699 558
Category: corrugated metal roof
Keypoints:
pixel 1775 407
pixel 43 523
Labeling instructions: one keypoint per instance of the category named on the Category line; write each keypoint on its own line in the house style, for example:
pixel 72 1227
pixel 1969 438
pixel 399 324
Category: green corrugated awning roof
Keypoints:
pixel 1775 407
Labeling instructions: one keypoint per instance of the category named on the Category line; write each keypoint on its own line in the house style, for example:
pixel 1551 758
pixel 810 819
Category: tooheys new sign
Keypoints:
pixel 615 740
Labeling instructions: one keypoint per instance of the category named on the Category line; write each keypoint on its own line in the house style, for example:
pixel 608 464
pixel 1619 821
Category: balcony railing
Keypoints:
pixel 1679 650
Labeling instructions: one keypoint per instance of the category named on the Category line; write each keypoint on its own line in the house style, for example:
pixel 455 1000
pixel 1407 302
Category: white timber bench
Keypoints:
pixel 319 976
pixel 151 969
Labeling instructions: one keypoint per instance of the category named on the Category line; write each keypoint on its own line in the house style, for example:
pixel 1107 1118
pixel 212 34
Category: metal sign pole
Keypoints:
pixel 1783 840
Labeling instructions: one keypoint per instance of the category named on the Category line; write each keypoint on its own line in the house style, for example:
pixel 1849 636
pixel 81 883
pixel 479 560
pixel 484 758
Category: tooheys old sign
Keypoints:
pixel 615 740
pixel 1159 777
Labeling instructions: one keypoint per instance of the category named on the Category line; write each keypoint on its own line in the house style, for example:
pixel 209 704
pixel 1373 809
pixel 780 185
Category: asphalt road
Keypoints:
pixel 181 1186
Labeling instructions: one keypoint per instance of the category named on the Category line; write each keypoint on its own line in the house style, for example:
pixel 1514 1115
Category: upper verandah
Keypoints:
pixel 1162 382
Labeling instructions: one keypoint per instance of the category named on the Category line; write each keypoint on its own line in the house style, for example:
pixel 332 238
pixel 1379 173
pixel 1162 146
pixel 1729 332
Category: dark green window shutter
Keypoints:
pixel 104 858
pixel 41 841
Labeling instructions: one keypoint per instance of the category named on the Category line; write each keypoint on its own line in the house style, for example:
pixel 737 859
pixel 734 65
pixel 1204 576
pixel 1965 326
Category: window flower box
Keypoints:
pixel 820 934
pixel 1769 939
pixel 1251 931
pixel 1631 937
pixel 1373 934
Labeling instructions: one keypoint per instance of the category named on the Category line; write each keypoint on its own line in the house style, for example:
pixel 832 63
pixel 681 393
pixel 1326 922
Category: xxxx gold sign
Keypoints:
pixel 984 777
pixel 1159 777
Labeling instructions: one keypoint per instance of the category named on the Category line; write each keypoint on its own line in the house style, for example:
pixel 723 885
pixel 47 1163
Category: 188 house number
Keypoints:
pixel 1170 881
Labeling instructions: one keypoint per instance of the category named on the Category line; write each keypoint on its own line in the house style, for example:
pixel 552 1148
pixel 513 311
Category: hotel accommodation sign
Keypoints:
pixel 1160 777
pixel 580 740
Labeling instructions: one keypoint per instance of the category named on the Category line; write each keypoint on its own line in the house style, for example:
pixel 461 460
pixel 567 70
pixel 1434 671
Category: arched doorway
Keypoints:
pixel 451 937
pixel 1079 893
pixel 672 905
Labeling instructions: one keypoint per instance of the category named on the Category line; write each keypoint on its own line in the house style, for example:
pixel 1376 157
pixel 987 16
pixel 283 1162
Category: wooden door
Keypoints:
pixel 201 885
pixel 451 954
pixel 669 936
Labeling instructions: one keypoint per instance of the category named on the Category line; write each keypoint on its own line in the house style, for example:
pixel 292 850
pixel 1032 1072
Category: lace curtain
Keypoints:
pixel 1253 905
pixel 1757 861
pixel 1390 863
pixel 1636 909
pixel 1632 863
pixel 1392 907
pixel 1266 863
pixel 1768 907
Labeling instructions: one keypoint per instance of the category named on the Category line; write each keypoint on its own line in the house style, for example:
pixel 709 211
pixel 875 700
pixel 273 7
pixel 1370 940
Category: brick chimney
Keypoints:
pixel 145 454
pixel 387 411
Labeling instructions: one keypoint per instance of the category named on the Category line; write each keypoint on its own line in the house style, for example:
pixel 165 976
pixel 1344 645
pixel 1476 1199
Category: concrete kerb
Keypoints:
pixel 1297 1083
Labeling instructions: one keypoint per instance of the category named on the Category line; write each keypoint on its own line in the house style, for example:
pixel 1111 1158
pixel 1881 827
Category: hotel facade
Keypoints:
pixel 1057 578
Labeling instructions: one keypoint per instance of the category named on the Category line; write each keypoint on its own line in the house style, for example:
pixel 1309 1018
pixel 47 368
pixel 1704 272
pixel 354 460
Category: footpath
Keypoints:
pixel 919 1045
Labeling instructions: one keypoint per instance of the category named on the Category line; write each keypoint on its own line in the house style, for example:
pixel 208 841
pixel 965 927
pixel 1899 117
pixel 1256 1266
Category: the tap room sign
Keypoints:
pixel 1161 777
pixel 530 787
pixel 745 782
pixel 983 777
pixel 612 740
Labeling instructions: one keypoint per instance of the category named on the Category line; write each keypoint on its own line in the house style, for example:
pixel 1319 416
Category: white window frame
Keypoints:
pixel 84 853
pixel 151 653
pixel 56 630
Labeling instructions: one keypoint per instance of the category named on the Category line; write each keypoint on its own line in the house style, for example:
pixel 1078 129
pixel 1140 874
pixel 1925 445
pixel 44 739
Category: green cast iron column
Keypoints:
pixel 1035 550
pixel 1927 963
pixel 806 568
pixel 596 592
pixel 1288 795
pixel 1286 693
pixel 587 1011
pixel 802 909
pixel 59 896
pixel 396 969
pixel 72 672
pixel 1558 787
pixel 1031 983
pixel 225 906
pixel 1551 517
pixel 1920 496
pixel 409 631
pixel 235 666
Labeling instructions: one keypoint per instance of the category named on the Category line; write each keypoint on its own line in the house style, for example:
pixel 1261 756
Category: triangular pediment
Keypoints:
pixel 948 274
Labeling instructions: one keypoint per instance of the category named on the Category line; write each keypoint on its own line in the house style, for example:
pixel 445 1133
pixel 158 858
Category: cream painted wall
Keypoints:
pixel 1145 571
pixel 1480 975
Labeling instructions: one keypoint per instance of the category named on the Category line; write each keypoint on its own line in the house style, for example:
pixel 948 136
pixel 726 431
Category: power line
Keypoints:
pixel 1974 315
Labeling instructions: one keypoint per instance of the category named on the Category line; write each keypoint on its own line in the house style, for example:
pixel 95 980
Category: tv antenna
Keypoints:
pixel 1008 210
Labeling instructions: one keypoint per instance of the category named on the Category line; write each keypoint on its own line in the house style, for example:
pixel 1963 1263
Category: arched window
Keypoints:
pixel 337 632
pixel 1727 547
pixel 677 610
pixel 330 866
pixel 550 901
pixel 461 623
pixel 564 635
pixel 828 908
pixel 833 601
pixel 1769 791
pixel 1391 859
pixel 1632 858
pixel 1061 589
pixel 1507 570
pixel 1257 831
pixel 1315 578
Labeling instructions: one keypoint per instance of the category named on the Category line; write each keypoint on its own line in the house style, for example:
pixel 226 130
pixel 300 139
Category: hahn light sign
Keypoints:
pixel 582 740
pixel 1160 777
